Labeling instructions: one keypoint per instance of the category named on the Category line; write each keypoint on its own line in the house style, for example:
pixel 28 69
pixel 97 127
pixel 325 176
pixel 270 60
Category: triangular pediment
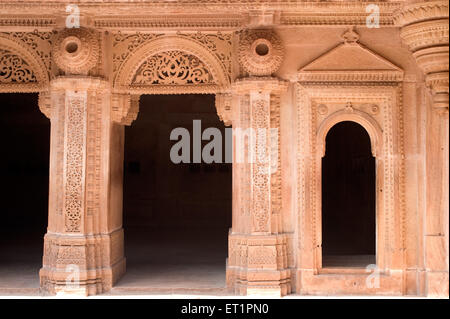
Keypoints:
pixel 350 61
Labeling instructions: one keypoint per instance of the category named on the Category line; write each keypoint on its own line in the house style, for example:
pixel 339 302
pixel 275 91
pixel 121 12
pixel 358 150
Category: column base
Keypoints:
pixel 91 282
pixel 81 264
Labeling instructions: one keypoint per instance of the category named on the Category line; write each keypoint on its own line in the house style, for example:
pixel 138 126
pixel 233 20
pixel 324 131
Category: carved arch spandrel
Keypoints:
pixel 123 80
pixel 24 61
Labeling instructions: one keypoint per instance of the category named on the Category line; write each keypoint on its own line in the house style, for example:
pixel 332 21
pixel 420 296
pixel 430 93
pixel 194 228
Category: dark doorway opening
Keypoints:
pixel 176 216
pixel 348 198
pixel 24 174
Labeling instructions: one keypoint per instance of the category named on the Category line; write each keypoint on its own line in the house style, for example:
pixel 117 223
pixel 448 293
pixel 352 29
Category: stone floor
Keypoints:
pixel 164 261
pixel 174 261
pixel 20 261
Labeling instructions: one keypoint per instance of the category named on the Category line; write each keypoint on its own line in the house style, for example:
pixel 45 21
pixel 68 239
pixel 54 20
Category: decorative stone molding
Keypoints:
pixel 343 64
pixel 124 108
pixel 425 31
pixel 208 14
pixel 414 11
pixel 177 22
pixel 76 50
pixel 260 52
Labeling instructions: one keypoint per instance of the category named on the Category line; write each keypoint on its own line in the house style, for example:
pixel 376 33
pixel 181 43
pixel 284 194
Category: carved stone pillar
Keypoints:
pixel 257 261
pixel 83 246
pixel 425 30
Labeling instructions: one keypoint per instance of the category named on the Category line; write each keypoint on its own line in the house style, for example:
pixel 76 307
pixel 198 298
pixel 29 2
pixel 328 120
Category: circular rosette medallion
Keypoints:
pixel 76 50
pixel 260 52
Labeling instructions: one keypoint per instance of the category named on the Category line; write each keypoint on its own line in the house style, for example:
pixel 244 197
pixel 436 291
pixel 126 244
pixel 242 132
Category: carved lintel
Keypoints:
pixel 124 108
pixel 224 107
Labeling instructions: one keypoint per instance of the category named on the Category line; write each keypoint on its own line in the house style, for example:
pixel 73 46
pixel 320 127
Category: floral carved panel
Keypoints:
pixel 173 67
pixel 25 61
pixel 13 69
pixel 172 63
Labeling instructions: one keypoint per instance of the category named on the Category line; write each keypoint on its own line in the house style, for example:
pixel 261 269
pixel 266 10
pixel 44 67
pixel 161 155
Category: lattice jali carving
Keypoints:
pixel 13 69
pixel 24 65
pixel 173 67
pixel 182 63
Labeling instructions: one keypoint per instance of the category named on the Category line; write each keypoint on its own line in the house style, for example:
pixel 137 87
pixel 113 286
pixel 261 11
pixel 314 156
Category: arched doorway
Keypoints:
pixel 176 216
pixel 348 198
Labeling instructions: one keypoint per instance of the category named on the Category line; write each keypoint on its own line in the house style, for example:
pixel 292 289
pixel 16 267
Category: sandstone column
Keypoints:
pixel 257 263
pixel 83 247
pixel 424 29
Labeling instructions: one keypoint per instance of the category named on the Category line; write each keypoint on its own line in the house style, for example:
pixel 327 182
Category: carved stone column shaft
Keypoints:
pixel 257 251
pixel 83 247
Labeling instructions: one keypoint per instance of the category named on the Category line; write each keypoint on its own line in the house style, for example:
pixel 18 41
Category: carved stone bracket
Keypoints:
pixel 45 104
pixel 224 108
pixel 124 108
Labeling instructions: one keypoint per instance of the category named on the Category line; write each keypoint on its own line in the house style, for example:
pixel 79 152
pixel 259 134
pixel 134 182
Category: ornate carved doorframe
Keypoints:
pixel 373 99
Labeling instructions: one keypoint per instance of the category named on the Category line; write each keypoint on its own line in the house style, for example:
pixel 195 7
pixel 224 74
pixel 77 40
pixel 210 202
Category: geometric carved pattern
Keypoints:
pixel 75 140
pixel 173 67
pixel 14 69
pixel 261 164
